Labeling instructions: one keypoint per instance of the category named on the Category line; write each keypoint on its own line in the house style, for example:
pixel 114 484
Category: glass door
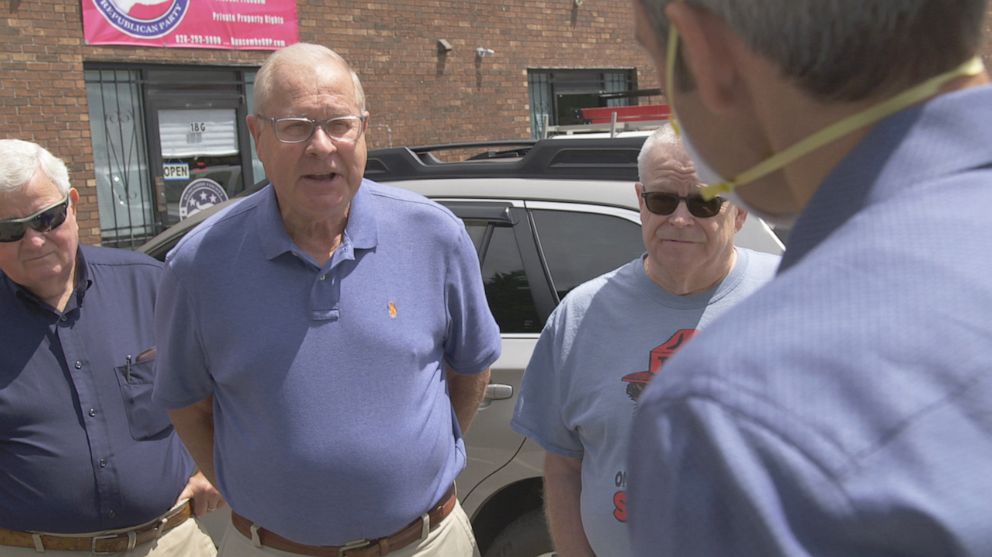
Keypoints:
pixel 198 153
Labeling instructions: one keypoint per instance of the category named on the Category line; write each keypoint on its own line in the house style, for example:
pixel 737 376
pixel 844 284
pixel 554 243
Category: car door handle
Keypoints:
pixel 498 391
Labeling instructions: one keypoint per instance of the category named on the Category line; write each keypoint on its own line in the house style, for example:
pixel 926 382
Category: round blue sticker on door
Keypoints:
pixel 198 195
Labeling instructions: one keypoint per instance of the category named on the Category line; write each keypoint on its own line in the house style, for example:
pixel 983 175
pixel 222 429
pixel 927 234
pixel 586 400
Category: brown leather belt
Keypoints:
pixel 116 542
pixel 415 531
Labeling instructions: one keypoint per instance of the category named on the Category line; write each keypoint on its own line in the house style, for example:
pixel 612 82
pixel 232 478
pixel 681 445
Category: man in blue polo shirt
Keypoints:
pixel 90 464
pixel 845 408
pixel 325 342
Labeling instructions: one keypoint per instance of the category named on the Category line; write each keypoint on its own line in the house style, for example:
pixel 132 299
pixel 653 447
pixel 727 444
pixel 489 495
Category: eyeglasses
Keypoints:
pixel 297 129
pixel 44 220
pixel 662 203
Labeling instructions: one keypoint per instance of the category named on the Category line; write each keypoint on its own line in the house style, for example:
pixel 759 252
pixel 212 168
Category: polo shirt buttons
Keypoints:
pixel 323 277
pixel 103 463
pixel 78 365
pixel 92 412
pixel 111 514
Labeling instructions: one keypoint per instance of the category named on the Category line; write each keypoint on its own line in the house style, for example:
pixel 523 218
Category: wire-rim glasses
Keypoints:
pixel 298 129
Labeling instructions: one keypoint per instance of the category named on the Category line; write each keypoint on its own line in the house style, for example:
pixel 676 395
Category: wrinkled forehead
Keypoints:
pixel 329 78
pixel 670 169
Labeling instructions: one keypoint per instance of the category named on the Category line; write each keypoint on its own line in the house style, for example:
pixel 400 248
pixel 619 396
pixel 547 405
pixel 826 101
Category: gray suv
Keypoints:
pixel 545 216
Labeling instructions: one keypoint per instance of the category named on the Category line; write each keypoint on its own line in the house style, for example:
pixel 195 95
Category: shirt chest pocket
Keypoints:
pixel 145 418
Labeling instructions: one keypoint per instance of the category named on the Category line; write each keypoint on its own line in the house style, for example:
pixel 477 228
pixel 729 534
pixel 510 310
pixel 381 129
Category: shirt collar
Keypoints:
pixel 361 231
pixel 913 146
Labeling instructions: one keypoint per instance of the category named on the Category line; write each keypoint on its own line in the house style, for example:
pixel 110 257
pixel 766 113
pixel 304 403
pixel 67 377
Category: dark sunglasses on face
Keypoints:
pixel 44 220
pixel 663 203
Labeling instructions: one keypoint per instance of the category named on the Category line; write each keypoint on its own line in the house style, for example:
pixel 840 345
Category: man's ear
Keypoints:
pixel 254 126
pixel 708 46
pixel 739 218
pixel 638 189
pixel 73 199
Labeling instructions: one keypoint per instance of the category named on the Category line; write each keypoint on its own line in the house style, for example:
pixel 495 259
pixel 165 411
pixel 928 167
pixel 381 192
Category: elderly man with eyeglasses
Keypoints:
pixel 325 342
pixel 613 334
pixel 89 463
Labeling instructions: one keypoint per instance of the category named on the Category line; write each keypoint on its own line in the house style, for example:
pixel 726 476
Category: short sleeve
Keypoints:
pixel 538 413
pixel 472 343
pixel 181 374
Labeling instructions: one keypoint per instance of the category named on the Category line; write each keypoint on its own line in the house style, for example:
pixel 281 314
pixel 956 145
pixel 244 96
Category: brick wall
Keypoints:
pixel 416 95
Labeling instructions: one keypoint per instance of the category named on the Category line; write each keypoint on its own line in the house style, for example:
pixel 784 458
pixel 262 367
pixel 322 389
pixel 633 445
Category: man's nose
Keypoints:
pixel 320 143
pixel 681 215
pixel 33 238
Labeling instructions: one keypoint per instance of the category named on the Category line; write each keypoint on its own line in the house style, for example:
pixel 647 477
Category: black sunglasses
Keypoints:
pixel 44 220
pixel 662 203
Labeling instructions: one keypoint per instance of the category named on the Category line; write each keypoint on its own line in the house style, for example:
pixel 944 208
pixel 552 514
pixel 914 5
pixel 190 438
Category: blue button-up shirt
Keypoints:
pixel 82 447
pixel 845 408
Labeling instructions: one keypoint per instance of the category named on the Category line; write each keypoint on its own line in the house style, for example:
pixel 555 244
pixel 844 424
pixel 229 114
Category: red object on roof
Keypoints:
pixel 642 113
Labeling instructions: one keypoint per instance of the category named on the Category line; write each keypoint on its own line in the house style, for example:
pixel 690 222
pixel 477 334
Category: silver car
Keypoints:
pixel 545 216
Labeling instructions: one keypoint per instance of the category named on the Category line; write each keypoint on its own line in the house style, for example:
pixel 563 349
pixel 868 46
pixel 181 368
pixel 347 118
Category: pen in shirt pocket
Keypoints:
pixel 144 356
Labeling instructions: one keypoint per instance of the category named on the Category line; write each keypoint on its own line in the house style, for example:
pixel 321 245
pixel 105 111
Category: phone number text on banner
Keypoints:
pixel 223 24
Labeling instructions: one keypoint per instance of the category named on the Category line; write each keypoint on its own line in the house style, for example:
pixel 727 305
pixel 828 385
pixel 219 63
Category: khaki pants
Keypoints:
pixel 185 540
pixel 452 538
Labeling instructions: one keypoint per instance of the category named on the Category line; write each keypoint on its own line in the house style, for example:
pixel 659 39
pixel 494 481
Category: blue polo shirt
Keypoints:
pixel 331 416
pixel 82 447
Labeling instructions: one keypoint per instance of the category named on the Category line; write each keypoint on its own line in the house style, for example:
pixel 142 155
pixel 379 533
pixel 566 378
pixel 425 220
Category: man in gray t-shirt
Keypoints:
pixel 611 335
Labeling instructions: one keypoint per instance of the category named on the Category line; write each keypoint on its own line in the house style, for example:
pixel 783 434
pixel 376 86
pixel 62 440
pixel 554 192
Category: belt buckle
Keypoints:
pixel 95 539
pixel 352 545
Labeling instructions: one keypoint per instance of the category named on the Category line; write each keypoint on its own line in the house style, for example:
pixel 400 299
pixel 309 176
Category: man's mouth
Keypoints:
pixel 321 177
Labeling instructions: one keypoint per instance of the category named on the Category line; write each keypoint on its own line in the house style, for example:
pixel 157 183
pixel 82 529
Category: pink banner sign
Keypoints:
pixel 224 24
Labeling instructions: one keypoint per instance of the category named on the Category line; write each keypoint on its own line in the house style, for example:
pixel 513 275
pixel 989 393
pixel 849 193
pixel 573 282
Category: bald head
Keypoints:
pixel 299 59
pixel 664 156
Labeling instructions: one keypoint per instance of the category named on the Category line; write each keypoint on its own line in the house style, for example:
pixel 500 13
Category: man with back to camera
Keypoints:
pixel 613 334
pixel 844 408
pixel 326 387
pixel 90 464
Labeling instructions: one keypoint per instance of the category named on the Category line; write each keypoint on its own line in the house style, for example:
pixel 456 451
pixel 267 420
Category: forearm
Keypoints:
pixel 195 426
pixel 562 495
pixel 466 393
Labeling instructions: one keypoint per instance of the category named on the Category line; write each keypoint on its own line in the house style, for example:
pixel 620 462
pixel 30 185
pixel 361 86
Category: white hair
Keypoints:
pixel 299 54
pixel 21 160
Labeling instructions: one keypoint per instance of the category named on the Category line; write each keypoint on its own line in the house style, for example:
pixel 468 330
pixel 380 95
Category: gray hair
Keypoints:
pixel 848 50
pixel 664 139
pixel 299 54
pixel 21 160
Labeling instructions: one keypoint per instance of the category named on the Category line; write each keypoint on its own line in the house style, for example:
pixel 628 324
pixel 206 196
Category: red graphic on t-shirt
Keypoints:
pixel 636 382
pixel 620 505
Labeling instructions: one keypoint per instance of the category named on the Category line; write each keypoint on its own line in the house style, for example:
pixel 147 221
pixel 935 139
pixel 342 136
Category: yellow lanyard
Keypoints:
pixel 830 133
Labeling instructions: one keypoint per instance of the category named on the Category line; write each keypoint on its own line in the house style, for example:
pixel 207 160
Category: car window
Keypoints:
pixel 579 246
pixel 504 278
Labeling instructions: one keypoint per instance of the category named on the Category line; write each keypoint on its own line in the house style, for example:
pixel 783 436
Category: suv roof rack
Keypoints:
pixel 567 158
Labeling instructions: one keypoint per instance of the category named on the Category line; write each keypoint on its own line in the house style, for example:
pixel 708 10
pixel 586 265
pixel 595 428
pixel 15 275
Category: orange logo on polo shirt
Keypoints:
pixel 392 310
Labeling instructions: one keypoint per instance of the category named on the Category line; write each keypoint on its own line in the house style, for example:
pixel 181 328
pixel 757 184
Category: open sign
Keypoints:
pixel 175 171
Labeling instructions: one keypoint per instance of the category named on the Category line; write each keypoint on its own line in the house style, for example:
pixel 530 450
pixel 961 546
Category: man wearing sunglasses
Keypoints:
pixel 89 463
pixel 609 337
pixel 334 375
pixel 844 409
